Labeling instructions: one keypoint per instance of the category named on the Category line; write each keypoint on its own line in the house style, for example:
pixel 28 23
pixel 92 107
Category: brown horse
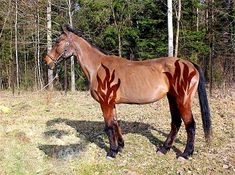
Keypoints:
pixel 114 80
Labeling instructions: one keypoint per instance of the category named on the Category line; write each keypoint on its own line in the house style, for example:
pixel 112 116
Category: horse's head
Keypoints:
pixel 63 48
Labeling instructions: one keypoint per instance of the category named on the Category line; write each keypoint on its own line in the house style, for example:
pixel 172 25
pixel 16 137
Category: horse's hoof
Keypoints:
pixel 181 159
pixel 162 150
pixel 159 153
pixel 111 155
pixel 109 158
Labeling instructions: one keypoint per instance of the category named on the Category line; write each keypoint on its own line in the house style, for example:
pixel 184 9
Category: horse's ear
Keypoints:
pixel 64 29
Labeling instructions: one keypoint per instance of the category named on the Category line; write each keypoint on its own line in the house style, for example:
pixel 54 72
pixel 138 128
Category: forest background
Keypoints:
pixel 134 29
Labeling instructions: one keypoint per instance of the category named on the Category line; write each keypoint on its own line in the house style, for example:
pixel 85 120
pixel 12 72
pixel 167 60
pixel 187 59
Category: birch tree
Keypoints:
pixel 170 28
pixel 72 57
pixel 49 41
pixel 40 79
pixel 16 45
pixel 178 16
pixel 211 40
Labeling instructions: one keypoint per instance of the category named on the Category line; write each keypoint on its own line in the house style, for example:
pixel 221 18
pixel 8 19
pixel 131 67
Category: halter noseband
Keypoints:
pixel 59 58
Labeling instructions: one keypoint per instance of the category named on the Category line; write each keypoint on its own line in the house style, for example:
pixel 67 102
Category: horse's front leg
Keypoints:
pixel 118 131
pixel 112 130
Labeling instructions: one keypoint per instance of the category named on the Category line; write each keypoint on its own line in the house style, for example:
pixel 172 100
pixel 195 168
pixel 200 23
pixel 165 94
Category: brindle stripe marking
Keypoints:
pixel 178 85
pixel 104 89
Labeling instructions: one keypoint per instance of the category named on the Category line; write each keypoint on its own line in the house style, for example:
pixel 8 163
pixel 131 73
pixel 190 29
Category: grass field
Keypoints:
pixel 52 134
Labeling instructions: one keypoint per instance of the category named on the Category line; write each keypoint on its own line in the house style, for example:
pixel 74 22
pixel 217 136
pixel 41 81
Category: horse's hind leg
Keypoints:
pixel 175 125
pixel 190 127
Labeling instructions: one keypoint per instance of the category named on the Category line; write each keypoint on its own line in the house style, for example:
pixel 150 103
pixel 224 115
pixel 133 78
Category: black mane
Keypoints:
pixel 81 34
pixel 75 31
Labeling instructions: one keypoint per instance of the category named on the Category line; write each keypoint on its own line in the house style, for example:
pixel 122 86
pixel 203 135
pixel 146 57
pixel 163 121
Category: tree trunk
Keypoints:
pixel 1 78
pixel 119 43
pixel 5 20
pixel 178 16
pixel 211 41
pixel 10 63
pixel 170 28
pixel 16 45
pixel 38 51
pixel 197 24
pixel 118 30
pixel 231 70
pixel 25 56
pixel 72 57
pixel 65 78
pixel 12 67
pixel 49 42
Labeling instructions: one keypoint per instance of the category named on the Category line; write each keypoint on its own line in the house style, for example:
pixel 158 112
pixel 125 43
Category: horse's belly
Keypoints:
pixel 142 95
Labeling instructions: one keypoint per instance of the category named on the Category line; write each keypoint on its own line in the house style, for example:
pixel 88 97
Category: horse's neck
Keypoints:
pixel 89 57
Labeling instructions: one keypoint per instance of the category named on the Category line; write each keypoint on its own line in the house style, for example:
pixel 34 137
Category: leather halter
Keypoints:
pixel 58 59
pixel 61 56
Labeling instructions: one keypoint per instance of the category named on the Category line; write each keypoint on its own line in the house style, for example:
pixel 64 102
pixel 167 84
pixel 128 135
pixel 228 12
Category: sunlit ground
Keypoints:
pixel 57 134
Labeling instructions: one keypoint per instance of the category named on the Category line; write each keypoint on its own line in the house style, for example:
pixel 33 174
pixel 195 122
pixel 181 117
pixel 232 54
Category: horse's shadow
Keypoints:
pixel 93 132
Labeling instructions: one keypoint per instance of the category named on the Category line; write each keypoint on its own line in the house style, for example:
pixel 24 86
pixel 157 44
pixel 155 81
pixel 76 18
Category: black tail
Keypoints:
pixel 205 110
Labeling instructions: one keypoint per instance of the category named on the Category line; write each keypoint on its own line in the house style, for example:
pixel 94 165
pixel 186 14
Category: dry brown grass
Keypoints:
pixel 57 134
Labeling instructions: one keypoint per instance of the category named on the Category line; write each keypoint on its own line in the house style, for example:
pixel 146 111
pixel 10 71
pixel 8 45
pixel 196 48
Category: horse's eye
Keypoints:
pixel 56 40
